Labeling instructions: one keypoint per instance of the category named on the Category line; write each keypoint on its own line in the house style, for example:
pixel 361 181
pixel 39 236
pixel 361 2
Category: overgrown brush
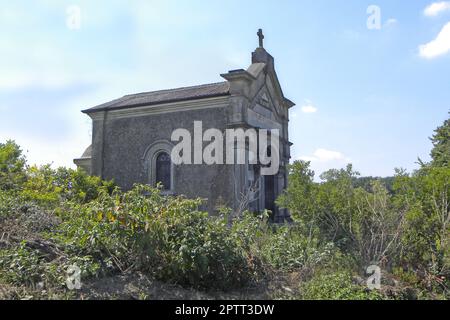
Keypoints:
pixel 165 236
pixel 51 219
pixel 336 286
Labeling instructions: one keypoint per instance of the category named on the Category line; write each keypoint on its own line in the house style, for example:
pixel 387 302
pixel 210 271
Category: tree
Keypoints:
pixel 299 196
pixel 426 196
pixel 363 223
pixel 441 145
pixel 12 166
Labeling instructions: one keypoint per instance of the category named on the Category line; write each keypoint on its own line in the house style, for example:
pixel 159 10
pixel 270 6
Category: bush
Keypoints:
pixel 48 187
pixel 354 219
pixel 287 249
pixel 426 240
pixel 164 236
pixel 336 286
pixel 12 166
pixel 26 268
pixel 20 266
pixel 7 202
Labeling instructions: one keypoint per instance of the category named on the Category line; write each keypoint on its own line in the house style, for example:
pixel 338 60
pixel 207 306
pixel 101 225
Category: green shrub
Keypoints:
pixel 49 187
pixel 336 286
pixel 287 249
pixel 78 186
pixel 25 268
pixel 40 186
pixel 20 266
pixel 8 201
pixel 351 218
pixel 426 240
pixel 164 236
pixel 12 166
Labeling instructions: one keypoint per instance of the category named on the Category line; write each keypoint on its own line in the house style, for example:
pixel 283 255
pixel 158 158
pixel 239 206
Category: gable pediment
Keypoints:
pixel 263 112
pixel 257 91
pixel 266 102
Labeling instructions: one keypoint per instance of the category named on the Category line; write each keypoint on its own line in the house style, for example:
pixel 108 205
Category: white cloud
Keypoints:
pixel 324 155
pixel 323 160
pixel 438 46
pixel 436 8
pixel 308 107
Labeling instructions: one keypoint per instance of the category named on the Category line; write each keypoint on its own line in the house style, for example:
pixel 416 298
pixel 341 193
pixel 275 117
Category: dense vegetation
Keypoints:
pixel 53 219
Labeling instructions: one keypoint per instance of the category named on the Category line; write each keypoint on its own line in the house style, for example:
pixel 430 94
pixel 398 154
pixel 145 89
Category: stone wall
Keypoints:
pixel 127 139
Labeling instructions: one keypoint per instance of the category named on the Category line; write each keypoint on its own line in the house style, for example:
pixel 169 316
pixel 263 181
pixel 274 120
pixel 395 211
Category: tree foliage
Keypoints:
pixel 440 153
pixel 12 166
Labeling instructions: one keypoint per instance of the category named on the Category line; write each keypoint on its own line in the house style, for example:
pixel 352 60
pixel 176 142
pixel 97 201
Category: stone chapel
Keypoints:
pixel 131 138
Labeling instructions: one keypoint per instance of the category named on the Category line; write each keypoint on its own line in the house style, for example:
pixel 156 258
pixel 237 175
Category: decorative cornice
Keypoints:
pixel 216 102
pixel 240 74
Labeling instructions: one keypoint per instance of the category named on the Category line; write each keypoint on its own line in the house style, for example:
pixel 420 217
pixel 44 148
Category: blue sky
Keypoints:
pixel 367 96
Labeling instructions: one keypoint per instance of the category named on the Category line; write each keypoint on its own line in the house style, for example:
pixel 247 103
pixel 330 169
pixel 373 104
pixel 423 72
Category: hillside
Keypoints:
pixel 66 235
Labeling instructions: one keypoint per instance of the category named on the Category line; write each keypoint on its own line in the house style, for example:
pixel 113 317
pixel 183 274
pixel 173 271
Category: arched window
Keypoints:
pixel 163 167
pixel 158 165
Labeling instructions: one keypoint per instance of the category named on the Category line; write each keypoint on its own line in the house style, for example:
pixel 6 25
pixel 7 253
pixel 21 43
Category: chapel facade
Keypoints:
pixel 131 138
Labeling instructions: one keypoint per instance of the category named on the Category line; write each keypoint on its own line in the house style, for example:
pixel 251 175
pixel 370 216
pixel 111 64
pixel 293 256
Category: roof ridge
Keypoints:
pixel 166 95
pixel 175 89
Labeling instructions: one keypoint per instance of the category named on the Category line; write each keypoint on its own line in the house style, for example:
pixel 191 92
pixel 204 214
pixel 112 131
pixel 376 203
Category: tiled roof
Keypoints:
pixel 165 96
